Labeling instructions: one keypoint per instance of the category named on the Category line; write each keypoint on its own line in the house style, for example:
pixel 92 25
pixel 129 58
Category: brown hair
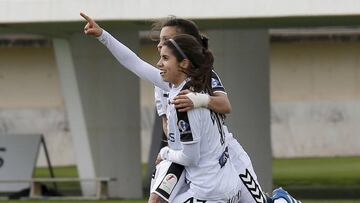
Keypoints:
pixel 183 26
pixel 201 61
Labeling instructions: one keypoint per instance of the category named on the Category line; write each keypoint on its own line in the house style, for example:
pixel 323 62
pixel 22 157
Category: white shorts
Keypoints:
pixel 249 192
pixel 168 180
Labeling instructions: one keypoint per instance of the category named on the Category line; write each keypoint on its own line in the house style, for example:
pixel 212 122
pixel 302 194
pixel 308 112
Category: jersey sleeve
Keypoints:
pixel 216 83
pixel 132 62
pixel 189 155
pixel 189 125
pixel 161 99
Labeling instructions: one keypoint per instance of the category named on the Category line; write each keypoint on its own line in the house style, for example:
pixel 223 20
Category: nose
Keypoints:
pixel 159 64
pixel 159 46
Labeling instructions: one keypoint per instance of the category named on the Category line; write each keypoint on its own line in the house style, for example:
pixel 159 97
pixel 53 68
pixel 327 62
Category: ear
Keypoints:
pixel 185 63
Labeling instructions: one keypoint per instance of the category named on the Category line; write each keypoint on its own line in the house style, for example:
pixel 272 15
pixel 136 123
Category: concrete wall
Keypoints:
pixel 31 101
pixel 315 94
pixel 24 71
pixel 149 53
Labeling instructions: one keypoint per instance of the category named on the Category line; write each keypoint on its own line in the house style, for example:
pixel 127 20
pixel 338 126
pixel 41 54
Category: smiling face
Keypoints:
pixel 166 33
pixel 170 68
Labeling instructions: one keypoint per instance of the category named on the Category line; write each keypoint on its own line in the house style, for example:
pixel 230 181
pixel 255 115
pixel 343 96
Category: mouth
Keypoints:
pixel 162 72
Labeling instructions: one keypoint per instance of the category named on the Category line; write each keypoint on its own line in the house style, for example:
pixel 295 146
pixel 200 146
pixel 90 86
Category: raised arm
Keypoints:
pixel 124 55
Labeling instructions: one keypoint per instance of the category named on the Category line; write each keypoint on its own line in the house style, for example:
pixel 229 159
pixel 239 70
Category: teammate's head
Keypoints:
pixel 183 57
pixel 173 26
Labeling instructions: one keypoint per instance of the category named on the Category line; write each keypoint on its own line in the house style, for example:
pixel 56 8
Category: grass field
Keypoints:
pixel 340 171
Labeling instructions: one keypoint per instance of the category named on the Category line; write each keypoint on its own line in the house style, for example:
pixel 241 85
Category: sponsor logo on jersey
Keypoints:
pixel 184 127
pixel 215 83
pixel 224 157
pixel 168 183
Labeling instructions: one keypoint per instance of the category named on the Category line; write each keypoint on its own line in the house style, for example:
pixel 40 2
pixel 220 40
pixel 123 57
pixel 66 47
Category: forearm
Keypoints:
pixel 219 103
pixel 132 62
pixel 188 156
pixel 164 124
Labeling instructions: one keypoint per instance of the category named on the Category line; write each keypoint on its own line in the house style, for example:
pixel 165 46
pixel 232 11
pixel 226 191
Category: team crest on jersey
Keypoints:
pixel 184 127
pixel 169 183
pixel 215 83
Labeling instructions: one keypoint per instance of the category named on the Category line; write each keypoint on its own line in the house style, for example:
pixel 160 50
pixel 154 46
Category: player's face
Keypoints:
pixel 170 67
pixel 165 34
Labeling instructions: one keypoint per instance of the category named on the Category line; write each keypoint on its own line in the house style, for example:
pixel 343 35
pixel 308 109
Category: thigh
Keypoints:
pixel 168 180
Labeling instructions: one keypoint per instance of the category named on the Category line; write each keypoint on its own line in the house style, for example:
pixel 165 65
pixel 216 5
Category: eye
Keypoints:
pixel 163 39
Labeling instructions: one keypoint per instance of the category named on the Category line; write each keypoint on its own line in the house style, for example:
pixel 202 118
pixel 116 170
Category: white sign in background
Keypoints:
pixel 18 156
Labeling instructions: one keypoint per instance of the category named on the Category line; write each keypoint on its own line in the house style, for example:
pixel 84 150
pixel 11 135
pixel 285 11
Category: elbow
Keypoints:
pixel 226 108
pixel 220 103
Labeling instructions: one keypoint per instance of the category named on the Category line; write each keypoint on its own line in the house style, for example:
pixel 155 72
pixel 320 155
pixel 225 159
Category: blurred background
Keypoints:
pixel 291 71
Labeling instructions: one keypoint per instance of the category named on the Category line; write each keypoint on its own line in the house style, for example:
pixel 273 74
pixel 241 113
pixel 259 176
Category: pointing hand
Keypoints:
pixel 91 27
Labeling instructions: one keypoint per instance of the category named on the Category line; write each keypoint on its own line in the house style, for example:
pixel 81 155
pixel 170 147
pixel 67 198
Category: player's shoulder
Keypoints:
pixel 216 83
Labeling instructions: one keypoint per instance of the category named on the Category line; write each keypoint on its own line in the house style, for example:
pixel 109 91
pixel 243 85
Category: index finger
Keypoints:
pixel 87 18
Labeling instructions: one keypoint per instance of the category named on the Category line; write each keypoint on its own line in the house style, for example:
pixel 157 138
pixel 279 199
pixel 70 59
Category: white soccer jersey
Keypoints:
pixel 161 96
pixel 161 100
pixel 213 176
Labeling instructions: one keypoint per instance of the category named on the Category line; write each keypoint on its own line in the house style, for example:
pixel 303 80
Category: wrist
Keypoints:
pixel 198 99
pixel 164 152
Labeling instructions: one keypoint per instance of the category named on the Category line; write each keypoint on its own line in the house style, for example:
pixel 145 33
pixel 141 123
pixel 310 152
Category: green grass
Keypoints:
pixel 339 171
pixel 64 187
pixel 68 171
pixel 335 175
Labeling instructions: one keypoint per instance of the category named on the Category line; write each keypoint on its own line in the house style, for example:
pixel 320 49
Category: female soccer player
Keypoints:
pixel 203 152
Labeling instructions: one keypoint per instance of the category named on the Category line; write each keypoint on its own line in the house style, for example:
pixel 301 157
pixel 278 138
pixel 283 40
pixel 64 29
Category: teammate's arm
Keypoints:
pixel 219 102
pixel 164 124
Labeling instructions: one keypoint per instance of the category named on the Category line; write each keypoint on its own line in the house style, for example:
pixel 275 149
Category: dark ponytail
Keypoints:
pixel 204 41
